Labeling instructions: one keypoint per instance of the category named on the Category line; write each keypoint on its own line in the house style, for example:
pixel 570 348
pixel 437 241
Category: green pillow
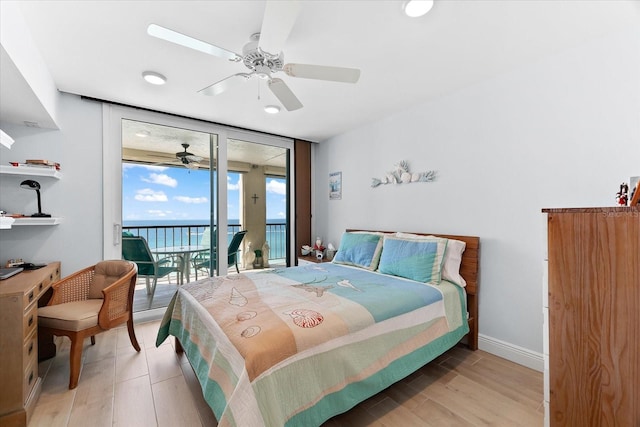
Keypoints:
pixel 359 250
pixel 419 260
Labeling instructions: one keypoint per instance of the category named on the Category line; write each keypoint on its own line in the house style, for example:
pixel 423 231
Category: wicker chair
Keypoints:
pixel 88 302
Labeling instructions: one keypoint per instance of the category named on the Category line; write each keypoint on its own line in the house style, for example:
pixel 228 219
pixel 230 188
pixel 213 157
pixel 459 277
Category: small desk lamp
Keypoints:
pixel 30 184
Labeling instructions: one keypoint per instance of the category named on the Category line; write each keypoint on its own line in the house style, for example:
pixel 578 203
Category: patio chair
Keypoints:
pixel 88 302
pixel 137 250
pixel 232 255
pixel 200 261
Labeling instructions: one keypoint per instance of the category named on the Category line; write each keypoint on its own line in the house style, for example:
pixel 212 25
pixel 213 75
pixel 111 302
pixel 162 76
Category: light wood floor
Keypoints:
pixel 156 387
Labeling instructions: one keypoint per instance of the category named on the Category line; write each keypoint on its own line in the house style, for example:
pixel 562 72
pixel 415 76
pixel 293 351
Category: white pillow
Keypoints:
pixel 452 258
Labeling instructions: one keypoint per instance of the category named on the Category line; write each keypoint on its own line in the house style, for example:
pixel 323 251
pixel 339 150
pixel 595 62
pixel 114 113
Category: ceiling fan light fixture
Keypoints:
pixel 417 8
pixel 154 78
pixel 272 109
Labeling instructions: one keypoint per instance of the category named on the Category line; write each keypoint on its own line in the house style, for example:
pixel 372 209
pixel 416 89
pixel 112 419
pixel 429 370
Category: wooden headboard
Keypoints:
pixel 468 270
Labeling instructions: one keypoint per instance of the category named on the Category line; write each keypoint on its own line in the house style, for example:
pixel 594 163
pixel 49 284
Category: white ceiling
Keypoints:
pixel 100 48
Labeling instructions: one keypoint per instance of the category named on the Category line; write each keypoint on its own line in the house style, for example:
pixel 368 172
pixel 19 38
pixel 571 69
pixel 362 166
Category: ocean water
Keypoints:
pixel 163 233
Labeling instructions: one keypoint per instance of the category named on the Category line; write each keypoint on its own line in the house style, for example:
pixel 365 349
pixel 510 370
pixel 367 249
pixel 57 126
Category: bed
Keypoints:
pixel 296 346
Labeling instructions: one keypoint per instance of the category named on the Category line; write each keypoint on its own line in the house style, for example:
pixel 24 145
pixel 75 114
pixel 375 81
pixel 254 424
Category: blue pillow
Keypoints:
pixel 360 250
pixel 419 260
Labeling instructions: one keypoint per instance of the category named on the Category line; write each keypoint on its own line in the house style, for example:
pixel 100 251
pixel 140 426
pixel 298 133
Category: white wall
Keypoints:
pixel 77 197
pixel 564 132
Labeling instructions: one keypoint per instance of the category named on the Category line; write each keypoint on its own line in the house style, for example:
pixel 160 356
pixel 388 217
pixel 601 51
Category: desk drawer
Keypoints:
pixel 38 288
pixel 30 320
pixel 30 379
pixel 48 281
pixel 30 350
pixel 31 295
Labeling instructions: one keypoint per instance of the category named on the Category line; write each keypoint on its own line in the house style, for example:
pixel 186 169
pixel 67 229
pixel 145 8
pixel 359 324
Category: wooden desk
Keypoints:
pixel 19 381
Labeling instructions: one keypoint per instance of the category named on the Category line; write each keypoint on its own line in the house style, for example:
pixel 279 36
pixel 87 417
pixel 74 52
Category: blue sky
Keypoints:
pixel 177 193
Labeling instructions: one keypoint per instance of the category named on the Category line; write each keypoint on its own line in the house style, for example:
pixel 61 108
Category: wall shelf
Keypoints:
pixel 36 221
pixel 30 171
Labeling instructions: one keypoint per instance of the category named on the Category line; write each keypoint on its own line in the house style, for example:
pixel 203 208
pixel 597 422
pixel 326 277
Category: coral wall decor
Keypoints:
pixel 402 175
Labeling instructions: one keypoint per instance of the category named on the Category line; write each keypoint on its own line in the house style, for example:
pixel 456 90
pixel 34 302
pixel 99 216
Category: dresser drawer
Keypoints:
pixel 30 349
pixel 30 320
pixel 30 379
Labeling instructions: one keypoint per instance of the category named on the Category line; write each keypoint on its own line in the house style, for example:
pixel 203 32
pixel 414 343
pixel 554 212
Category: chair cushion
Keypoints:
pixel 105 274
pixel 70 316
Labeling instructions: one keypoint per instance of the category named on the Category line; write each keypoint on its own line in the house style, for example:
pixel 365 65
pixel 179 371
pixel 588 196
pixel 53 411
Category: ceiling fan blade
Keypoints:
pixel 225 84
pixel 184 40
pixel 279 18
pixel 284 94
pixel 322 72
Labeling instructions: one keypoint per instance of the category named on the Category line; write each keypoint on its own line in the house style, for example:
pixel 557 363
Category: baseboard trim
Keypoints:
pixel 512 352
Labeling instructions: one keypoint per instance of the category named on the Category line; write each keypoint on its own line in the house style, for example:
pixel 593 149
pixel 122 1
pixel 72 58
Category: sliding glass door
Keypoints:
pixel 168 201
pixel 258 182
pixel 187 187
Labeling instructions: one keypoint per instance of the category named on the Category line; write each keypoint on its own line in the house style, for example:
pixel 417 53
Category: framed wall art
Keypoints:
pixel 335 186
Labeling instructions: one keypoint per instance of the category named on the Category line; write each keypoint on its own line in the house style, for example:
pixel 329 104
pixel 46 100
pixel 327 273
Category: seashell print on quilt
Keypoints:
pixel 305 318
pixel 237 298
pixel 251 331
pixel 246 315
pixel 203 289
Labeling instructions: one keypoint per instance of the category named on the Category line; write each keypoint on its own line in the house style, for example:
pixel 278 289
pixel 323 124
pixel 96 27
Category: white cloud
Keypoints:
pixel 281 215
pixel 277 187
pixel 162 179
pixel 231 185
pixel 148 195
pixel 195 200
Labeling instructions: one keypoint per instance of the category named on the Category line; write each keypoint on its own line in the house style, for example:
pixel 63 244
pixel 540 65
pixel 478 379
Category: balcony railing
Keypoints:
pixel 162 236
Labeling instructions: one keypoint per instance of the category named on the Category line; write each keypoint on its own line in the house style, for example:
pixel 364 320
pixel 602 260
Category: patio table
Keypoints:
pixel 183 253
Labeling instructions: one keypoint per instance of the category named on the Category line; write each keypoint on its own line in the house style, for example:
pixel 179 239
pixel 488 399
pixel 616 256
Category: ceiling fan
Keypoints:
pixel 263 55
pixel 188 159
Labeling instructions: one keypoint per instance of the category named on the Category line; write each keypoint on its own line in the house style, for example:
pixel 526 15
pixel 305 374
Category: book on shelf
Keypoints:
pixel 37 164
pixel 40 162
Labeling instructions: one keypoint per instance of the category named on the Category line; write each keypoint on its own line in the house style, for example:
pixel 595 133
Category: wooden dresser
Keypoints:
pixel 19 381
pixel 592 327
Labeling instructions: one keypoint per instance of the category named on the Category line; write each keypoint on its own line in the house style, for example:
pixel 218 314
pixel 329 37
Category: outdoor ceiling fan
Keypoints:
pixel 263 55
pixel 188 159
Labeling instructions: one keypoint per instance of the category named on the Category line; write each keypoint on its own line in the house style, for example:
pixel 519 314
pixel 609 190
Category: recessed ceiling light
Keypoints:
pixel 417 8
pixel 143 134
pixel 272 109
pixel 154 78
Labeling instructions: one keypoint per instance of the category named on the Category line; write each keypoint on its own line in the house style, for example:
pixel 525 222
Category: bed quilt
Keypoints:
pixel 295 346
